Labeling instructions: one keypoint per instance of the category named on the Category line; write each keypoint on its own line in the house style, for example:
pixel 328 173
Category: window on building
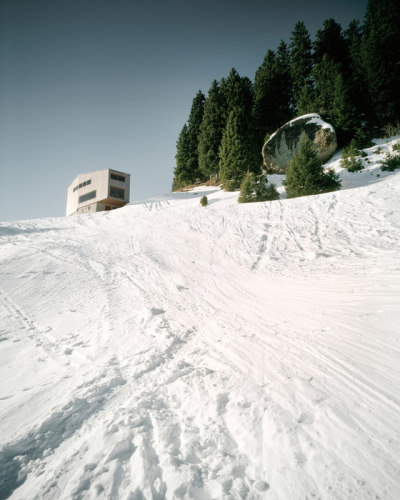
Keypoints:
pixel 87 196
pixel 117 192
pixel 116 177
pixel 82 184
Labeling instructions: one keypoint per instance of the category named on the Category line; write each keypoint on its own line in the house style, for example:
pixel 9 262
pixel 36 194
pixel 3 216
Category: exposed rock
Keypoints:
pixel 282 144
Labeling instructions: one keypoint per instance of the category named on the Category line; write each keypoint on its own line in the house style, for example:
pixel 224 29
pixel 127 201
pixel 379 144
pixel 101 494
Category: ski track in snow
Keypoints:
pixel 168 350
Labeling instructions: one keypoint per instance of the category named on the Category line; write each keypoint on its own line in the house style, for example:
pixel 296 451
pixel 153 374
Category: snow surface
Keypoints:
pixel 166 350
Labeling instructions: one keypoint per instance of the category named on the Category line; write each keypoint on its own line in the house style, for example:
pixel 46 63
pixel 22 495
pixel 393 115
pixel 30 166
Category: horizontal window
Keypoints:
pixel 117 192
pixel 82 184
pixel 116 177
pixel 87 196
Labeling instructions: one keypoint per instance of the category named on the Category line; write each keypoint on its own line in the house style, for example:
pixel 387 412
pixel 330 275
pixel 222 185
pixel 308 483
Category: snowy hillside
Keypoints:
pixel 166 350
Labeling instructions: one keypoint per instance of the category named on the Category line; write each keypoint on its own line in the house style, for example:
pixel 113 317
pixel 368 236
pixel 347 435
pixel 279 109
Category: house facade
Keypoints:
pixel 98 191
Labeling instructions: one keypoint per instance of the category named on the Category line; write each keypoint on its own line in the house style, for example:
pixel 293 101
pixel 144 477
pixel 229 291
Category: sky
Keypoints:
pixel 92 84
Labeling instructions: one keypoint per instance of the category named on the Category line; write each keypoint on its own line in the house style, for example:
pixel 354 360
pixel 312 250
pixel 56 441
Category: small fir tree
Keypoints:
pixel 204 201
pixel 305 175
pixel 247 188
pixel 350 158
pixel 255 188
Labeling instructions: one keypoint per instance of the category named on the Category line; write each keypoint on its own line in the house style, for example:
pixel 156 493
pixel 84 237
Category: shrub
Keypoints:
pixel 306 176
pixel 203 201
pixel 378 151
pixel 349 158
pixel 230 185
pixel 391 129
pixel 391 162
pixel 255 188
pixel 362 139
pixel 396 147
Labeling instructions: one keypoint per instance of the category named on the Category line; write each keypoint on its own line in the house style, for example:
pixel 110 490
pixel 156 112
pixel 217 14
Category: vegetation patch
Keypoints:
pixel 392 159
pixel 350 158
pixel 306 175
pixel 204 201
pixel 255 188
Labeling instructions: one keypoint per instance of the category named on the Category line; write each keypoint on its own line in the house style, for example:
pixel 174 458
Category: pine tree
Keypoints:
pixel 194 124
pixel 272 92
pixel 237 92
pixel 343 112
pixel 306 101
pixel 330 41
pixel 356 81
pixel 264 93
pixel 211 132
pixel 255 188
pixel 247 188
pixel 239 151
pixel 300 62
pixel 183 174
pixel 305 175
pixel 381 59
pixel 325 74
pixel 283 71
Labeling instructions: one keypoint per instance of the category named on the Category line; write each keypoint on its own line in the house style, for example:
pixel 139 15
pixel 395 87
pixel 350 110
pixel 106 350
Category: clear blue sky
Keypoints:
pixel 93 84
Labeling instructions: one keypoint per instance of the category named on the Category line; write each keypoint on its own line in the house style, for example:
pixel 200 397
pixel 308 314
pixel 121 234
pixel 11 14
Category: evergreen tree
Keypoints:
pixel 247 188
pixel 237 92
pixel 325 74
pixel 306 101
pixel 305 175
pixel 255 188
pixel 283 71
pixel 183 174
pixel 272 92
pixel 343 112
pixel 330 41
pixel 239 151
pixel 194 124
pixel 381 58
pixel 300 62
pixel 356 81
pixel 264 91
pixel 211 130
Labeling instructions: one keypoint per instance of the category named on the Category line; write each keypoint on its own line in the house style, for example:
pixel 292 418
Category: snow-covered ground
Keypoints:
pixel 166 350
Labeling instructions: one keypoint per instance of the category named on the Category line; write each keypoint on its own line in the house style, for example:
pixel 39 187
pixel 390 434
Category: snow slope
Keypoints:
pixel 166 350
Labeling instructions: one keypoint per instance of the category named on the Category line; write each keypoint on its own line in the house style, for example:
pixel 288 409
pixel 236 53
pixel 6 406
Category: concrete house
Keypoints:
pixel 98 191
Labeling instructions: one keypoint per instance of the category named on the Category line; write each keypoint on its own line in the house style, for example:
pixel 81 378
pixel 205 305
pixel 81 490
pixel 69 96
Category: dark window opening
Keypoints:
pixel 87 196
pixel 117 192
pixel 116 177
pixel 82 184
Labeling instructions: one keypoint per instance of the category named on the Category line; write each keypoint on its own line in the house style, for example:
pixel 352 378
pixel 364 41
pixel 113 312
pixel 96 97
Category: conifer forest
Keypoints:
pixel 349 76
